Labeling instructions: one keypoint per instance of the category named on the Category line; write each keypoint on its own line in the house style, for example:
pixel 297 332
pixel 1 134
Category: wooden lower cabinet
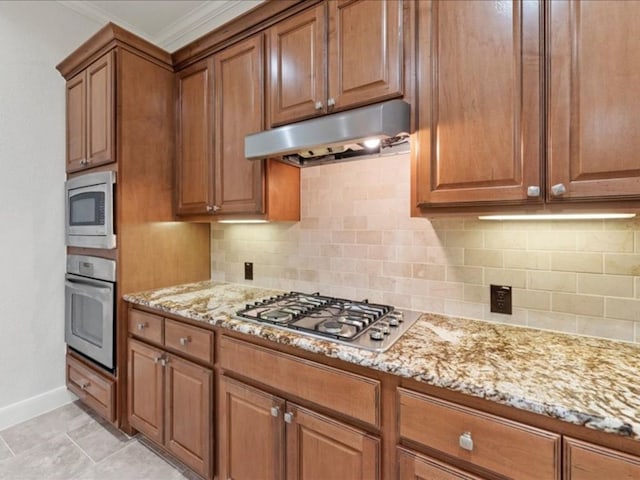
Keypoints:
pixel 585 461
pixel 413 466
pixel 92 387
pixel 286 440
pixel 170 403
pixel 478 440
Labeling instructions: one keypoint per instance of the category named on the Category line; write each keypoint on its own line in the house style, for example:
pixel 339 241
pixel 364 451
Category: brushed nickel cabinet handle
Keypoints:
pixel 142 326
pixel 466 442
pixel 209 208
pixel 275 411
pixel 318 105
pixel 558 189
pixel 331 102
pixel 85 385
pixel 185 341
pixel 533 191
pixel 158 359
pixel 288 417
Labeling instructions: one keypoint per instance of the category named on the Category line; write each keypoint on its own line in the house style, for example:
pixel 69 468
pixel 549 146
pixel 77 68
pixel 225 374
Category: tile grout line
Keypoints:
pixel 126 445
pixel 80 448
pixel 7 445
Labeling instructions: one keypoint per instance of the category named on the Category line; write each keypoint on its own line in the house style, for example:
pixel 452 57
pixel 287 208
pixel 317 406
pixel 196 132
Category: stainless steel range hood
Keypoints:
pixel 335 137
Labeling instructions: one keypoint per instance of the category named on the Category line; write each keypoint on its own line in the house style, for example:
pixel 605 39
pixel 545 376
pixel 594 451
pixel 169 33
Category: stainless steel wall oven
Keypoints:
pixel 90 294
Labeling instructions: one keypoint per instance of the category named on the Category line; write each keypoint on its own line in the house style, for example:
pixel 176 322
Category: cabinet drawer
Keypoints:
pixel 584 461
pixel 349 394
pixel 193 341
pixel 413 466
pixel 92 388
pixel 498 445
pixel 145 325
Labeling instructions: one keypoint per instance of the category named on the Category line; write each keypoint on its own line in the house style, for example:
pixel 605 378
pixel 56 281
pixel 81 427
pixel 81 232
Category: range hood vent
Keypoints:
pixel 336 137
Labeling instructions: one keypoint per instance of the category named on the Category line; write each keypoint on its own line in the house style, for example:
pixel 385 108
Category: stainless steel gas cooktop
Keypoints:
pixel 359 324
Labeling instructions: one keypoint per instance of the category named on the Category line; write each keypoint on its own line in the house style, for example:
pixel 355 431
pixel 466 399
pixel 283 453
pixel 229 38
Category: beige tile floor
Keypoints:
pixel 70 443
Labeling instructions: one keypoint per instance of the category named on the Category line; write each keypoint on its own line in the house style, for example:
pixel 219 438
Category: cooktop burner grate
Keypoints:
pixel 361 324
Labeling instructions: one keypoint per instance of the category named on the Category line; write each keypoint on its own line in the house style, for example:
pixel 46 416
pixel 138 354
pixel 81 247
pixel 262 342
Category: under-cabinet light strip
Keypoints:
pixel 560 216
pixel 243 221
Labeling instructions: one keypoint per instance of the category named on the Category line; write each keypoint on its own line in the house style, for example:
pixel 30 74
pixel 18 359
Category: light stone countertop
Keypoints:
pixel 580 380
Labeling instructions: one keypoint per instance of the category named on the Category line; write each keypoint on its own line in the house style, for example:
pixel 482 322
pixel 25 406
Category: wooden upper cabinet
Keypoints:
pixel 365 52
pixel 334 56
pixel 320 447
pixel 238 94
pixel 100 115
pixel 91 115
pixel 194 179
pixel 297 67
pixel 478 136
pixel 250 420
pixel 594 106
pixel 76 124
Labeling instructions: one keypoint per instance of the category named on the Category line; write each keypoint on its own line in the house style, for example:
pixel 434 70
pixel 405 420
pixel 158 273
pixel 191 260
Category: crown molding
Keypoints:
pixel 93 12
pixel 193 24
pixel 200 21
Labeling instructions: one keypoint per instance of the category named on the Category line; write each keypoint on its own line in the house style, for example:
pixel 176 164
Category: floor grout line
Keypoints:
pixel 81 449
pixel 7 445
pixel 126 445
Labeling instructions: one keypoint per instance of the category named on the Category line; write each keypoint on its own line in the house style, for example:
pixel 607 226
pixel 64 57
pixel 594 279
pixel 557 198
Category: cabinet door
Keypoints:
pixel 189 427
pixel 100 111
pixel 412 466
pixel 145 387
pixel 251 433
pixel 584 461
pixel 194 171
pixel 239 110
pixel 479 95
pixel 365 52
pixel 319 448
pixel 594 106
pixel 296 66
pixel 76 122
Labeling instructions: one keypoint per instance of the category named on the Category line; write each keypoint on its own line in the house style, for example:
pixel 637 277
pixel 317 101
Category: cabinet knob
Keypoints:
pixel 142 326
pixel 533 191
pixel 331 102
pixel 209 208
pixel 185 340
pixel 275 411
pixel 158 359
pixel 212 208
pixel 288 417
pixel 163 361
pixel 318 105
pixel 465 441
pixel 84 385
pixel 558 189
pixel 83 162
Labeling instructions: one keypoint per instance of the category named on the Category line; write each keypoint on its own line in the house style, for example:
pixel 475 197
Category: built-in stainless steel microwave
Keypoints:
pixel 90 210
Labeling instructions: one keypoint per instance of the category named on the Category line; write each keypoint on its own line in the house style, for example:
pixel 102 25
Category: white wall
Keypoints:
pixel 34 37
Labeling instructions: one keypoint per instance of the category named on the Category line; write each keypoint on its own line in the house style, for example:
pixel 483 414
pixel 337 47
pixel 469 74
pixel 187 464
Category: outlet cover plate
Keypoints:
pixel 501 299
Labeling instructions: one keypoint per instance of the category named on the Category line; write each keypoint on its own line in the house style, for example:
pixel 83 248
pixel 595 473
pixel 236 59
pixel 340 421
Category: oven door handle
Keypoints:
pixel 96 284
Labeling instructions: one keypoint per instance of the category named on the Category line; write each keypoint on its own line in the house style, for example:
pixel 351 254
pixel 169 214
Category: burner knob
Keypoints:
pixel 398 315
pixel 383 327
pixel 393 321
pixel 376 334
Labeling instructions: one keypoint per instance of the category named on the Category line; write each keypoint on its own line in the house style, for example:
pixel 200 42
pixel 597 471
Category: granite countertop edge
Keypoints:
pixel 215 303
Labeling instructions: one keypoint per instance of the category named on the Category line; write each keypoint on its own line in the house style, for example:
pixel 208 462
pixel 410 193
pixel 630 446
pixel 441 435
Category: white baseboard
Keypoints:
pixel 34 406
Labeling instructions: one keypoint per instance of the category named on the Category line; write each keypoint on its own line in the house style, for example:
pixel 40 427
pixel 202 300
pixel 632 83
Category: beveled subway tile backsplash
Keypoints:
pixel 356 239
